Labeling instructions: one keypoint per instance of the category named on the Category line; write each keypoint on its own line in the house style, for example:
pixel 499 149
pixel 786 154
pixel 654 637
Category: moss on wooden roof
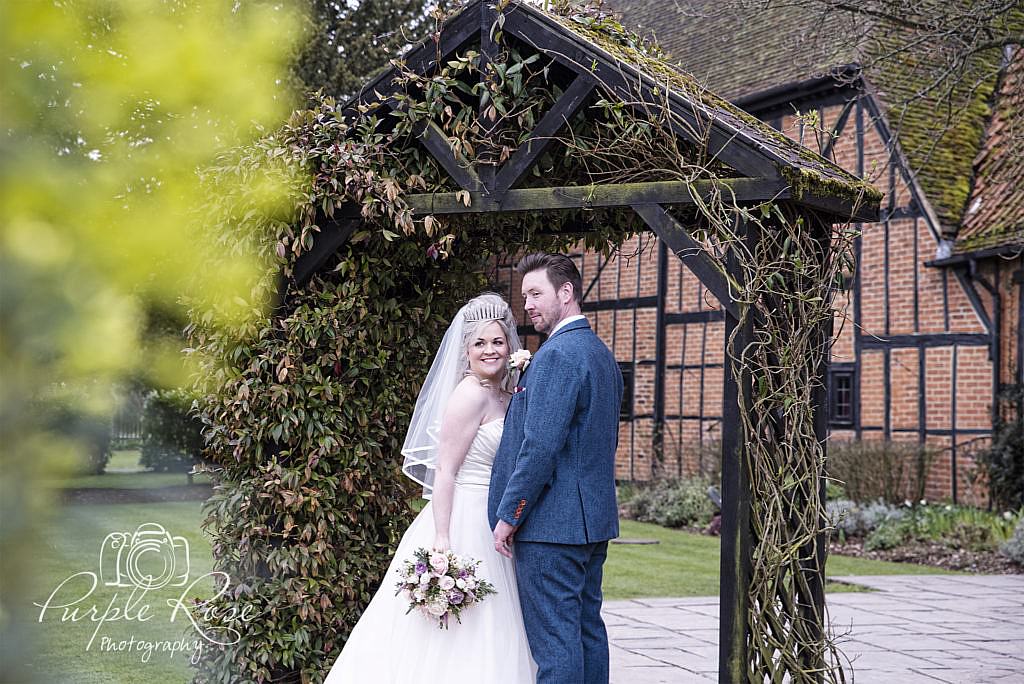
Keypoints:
pixel 939 142
pixel 995 213
pixel 600 34
pixel 743 52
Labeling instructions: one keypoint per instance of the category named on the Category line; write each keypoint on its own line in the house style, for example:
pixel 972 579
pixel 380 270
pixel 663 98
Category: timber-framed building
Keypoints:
pixel 931 330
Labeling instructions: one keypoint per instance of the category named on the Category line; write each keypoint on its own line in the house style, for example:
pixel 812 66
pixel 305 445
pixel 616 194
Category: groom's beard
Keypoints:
pixel 548 321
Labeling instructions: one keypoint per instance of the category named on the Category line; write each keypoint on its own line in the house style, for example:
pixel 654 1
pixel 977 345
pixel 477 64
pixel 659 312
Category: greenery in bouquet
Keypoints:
pixel 440 585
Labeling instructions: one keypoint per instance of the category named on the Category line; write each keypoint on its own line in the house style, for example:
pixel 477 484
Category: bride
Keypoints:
pixel 454 434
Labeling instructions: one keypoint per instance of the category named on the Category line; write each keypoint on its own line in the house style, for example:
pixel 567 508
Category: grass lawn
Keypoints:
pixel 686 564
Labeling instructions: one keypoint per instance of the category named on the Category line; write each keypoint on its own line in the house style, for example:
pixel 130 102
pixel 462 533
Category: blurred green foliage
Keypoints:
pixel 107 110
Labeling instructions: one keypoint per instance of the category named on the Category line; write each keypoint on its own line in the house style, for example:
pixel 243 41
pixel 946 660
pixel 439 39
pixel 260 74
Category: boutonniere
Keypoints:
pixel 518 389
pixel 519 360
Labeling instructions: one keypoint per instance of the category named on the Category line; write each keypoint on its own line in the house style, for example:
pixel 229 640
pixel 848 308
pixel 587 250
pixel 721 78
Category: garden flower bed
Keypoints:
pixel 940 535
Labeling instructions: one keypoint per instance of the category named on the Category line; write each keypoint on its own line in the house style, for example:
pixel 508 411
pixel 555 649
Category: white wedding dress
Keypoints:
pixel 489 646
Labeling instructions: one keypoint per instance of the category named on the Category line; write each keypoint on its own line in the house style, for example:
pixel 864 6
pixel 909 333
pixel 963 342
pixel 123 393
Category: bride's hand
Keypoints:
pixel 441 542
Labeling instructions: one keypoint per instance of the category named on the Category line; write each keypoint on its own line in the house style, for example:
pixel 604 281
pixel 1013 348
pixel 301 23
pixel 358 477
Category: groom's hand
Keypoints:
pixel 503 533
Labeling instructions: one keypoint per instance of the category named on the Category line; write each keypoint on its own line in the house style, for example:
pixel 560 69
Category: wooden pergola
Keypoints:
pixel 765 164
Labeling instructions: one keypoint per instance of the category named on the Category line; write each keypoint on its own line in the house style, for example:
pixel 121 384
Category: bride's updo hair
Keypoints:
pixel 477 314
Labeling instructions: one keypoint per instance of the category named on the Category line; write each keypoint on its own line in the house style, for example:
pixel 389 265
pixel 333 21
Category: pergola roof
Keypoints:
pixel 765 166
pixel 595 51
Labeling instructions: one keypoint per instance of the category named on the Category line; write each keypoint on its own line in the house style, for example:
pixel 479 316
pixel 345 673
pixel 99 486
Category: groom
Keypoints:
pixel 553 479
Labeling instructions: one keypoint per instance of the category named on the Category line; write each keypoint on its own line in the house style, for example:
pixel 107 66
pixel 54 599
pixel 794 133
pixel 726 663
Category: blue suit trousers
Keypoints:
pixel 560 594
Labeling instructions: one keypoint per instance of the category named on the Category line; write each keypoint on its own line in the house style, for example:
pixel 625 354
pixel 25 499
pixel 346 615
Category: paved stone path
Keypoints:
pixel 957 629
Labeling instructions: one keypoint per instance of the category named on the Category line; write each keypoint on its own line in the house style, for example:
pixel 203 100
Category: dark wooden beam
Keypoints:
pixel 332 236
pixel 843 209
pixel 814 555
pixel 837 130
pixel 735 571
pixel 575 196
pixel 690 251
pixel 706 316
pixel 660 351
pixel 869 341
pixel 567 105
pixel 620 304
pixel 457 166
pixel 489 53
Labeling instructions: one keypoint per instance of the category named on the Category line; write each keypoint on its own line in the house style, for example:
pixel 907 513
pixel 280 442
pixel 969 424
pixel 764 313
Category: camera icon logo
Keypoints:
pixel 149 558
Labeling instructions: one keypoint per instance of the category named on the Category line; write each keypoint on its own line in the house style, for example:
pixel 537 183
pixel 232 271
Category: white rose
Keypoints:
pixel 418 595
pixel 425 579
pixel 461 584
pixel 519 360
pixel 446 583
pixel 437 608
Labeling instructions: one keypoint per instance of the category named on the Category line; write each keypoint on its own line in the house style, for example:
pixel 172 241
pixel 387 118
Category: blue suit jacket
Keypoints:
pixel 554 473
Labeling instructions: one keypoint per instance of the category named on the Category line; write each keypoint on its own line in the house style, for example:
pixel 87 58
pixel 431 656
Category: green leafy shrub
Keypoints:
pixel 1003 460
pixel 858 520
pixel 68 414
pixel 886 536
pixel 956 527
pixel 671 503
pixel 871 470
pixel 172 436
pixel 1013 548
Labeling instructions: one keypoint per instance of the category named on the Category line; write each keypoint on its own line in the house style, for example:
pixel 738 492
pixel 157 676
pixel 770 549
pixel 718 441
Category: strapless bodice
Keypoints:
pixel 476 468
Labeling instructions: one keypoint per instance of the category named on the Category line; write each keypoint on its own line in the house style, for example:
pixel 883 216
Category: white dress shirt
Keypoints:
pixel 566 321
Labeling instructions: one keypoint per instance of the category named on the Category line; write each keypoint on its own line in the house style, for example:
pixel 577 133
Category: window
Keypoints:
pixel 840 392
pixel 626 409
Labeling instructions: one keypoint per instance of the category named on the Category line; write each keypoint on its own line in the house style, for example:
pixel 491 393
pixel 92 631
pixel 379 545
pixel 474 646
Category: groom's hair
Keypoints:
pixel 559 268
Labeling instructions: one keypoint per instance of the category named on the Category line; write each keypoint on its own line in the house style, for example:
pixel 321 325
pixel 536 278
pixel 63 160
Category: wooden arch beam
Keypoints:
pixel 590 196
pixel 457 166
pixel 696 258
pixel 558 116
pixel 421 58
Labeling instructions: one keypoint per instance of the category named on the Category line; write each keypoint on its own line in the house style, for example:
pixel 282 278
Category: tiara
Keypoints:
pixel 487 312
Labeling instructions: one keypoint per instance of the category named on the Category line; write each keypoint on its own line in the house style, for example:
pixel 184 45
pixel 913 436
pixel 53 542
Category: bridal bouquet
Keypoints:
pixel 441 585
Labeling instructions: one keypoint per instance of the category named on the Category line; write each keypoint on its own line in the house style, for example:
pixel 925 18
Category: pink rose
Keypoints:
pixel 439 562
